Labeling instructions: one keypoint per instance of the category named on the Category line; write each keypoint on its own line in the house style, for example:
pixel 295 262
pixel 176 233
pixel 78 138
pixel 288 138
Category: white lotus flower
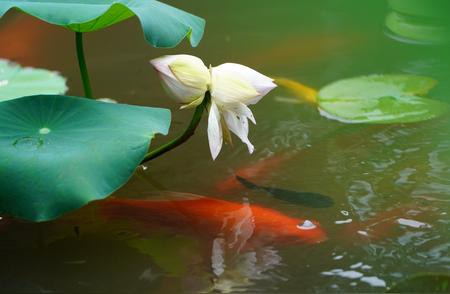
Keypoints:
pixel 232 87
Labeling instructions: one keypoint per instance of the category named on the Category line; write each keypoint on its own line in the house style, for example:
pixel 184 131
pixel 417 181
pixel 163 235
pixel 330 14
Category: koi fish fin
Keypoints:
pixel 310 199
pixel 247 183
pixel 253 186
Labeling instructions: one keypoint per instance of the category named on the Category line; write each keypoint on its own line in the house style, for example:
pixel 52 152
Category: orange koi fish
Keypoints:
pixel 239 225
pixel 303 92
pixel 23 38
pixel 296 50
pixel 238 240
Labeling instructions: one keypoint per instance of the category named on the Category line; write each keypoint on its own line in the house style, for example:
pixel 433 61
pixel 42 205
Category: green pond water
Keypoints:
pixel 381 178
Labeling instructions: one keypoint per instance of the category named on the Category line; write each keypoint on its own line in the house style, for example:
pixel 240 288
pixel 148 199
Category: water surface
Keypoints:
pixel 375 174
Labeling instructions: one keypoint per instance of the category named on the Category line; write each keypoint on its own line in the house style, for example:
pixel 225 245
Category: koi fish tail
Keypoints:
pixel 302 92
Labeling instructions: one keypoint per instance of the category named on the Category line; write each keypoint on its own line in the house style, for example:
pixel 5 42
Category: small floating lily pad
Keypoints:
pixel 59 152
pixel 163 25
pixel 17 81
pixel 380 99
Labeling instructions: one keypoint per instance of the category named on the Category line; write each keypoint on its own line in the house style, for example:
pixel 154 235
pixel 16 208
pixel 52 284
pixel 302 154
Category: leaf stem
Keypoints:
pixel 82 64
pixel 189 132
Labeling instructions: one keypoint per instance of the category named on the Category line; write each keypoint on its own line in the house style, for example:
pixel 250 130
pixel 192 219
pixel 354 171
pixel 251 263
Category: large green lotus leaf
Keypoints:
pixel 163 25
pixel 380 99
pixel 17 81
pixel 60 152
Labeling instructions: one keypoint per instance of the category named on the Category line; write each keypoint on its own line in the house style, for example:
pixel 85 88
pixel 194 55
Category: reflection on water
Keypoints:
pixel 233 268
pixel 248 269
pixel 390 184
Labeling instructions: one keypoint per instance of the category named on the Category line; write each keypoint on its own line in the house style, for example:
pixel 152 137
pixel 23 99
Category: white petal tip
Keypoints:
pixel 264 88
pixel 157 63
pixel 215 150
pixel 250 146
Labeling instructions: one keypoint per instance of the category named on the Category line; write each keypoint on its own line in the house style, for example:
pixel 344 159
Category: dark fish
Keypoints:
pixel 310 199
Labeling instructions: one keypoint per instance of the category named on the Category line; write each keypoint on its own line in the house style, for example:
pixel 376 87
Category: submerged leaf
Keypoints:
pixel 423 283
pixel 17 81
pixel 171 253
pixel 380 99
pixel 436 9
pixel 61 152
pixel 163 25
pixel 417 30
pixel 419 21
